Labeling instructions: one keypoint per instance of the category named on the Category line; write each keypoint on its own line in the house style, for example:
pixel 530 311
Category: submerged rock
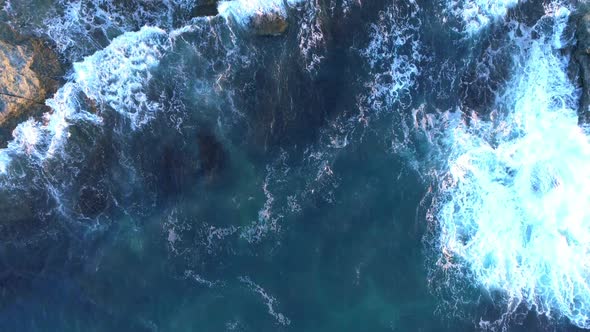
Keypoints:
pixel 582 55
pixel 29 73
pixel 212 155
pixel 205 8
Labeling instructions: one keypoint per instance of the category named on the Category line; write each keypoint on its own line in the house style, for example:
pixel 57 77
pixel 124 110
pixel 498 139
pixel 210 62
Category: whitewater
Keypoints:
pixel 511 209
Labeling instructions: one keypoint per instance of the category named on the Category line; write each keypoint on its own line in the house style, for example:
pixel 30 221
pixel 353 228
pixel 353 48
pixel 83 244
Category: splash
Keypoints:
pixel 512 211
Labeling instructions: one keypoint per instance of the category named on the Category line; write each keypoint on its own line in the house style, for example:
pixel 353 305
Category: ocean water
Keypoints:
pixel 385 165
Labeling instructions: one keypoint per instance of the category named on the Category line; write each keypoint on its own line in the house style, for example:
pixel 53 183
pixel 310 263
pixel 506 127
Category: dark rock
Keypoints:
pixel 582 56
pixel 269 24
pixel 205 8
pixel 212 154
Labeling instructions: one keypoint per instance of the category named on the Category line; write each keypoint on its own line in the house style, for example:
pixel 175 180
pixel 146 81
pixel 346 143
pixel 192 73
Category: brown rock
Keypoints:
pixel 19 85
pixel 29 74
pixel 269 24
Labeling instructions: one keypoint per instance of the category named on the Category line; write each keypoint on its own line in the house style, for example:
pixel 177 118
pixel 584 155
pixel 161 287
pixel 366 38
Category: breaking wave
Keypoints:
pixel 511 207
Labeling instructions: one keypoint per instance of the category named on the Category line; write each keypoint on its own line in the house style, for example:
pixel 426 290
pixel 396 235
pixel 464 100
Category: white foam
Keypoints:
pixel 116 75
pixel 477 14
pixel 81 27
pixel 7 7
pixel 311 37
pixel 513 208
pixel 269 300
pixel 393 55
pixel 242 11
pixel 72 31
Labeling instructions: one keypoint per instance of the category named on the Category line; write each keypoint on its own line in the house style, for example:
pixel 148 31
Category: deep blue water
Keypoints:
pixel 199 177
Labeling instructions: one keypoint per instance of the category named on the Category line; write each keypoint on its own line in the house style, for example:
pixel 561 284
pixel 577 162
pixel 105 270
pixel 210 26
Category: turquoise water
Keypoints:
pixel 194 176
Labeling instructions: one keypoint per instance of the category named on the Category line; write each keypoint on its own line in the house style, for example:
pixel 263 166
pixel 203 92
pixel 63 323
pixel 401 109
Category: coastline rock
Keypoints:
pixel 582 56
pixel 29 73
pixel 269 24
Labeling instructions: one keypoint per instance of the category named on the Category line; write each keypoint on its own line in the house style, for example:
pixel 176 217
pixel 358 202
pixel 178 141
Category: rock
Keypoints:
pixel 269 24
pixel 260 18
pixel 19 85
pixel 29 73
pixel 582 56
pixel 205 8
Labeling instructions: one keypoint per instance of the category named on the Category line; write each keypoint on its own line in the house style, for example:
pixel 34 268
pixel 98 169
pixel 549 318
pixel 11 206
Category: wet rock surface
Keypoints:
pixel 30 72
pixel 582 56
pixel 269 24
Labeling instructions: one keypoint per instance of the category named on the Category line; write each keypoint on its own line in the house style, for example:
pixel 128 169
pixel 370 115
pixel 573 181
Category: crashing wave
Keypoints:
pixel 511 209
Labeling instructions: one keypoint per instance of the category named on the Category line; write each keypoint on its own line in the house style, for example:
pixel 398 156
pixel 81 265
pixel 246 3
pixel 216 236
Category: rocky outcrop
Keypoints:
pixel 269 24
pixel 30 72
pixel 582 56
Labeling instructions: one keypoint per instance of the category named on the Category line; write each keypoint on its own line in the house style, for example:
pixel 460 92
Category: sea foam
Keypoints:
pixel 511 211
pixel 477 14
pixel 243 10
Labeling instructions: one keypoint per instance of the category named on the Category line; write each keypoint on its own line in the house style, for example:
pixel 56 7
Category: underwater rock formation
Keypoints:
pixel 205 8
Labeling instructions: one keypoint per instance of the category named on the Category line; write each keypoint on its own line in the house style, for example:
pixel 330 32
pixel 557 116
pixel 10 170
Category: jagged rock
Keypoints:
pixel 19 85
pixel 269 24
pixel 582 55
pixel 29 73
